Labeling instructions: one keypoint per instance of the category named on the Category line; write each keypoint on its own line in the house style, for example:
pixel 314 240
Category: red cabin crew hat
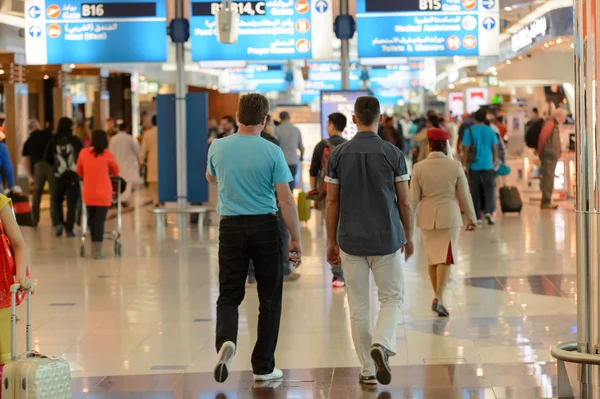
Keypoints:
pixel 438 134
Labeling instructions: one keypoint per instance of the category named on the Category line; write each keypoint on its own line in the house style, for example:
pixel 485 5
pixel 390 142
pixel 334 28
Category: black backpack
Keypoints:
pixel 532 133
pixel 65 161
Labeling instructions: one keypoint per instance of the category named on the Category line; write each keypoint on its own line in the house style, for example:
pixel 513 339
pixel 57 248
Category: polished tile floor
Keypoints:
pixel 143 326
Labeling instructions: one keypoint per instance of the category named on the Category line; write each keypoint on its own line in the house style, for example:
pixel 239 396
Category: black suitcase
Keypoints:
pixel 510 200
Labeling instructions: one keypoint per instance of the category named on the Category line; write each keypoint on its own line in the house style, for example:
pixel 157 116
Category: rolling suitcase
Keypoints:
pixel 510 200
pixel 33 375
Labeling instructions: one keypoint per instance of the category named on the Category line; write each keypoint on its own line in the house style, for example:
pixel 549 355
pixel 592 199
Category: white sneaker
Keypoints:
pixel 275 375
pixel 224 357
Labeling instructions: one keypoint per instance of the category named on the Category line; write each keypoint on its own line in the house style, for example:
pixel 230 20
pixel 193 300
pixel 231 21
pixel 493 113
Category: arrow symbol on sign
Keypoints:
pixel 321 6
pixel 488 4
pixel 489 23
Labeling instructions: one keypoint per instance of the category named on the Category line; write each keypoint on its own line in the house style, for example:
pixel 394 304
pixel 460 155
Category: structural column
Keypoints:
pixel 345 51
pixel 61 96
pixel 587 110
pixel 101 102
pixel 17 113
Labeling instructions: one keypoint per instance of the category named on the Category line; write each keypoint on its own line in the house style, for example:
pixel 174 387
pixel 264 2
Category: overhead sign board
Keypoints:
pixel 254 77
pixel 75 31
pixel 390 97
pixel 403 76
pixel 427 28
pixel 268 30
pixel 340 101
pixel 526 36
pixel 328 76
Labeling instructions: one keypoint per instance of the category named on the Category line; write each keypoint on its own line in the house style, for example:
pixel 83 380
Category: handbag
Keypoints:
pixel 8 271
pixel 472 150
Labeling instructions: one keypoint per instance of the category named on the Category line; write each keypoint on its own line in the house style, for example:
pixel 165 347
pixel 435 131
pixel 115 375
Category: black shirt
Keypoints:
pixel 75 142
pixel 35 146
pixel 317 158
pixel 270 138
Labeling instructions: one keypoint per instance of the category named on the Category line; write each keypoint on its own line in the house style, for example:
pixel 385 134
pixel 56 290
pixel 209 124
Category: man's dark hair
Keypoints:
pixel 434 120
pixel 99 142
pixel 65 125
pixel 125 127
pixel 338 120
pixel 229 119
pixel 481 115
pixel 154 120
pixel 535 110
pixel 252 109
pixel 284 116
pixel 367 110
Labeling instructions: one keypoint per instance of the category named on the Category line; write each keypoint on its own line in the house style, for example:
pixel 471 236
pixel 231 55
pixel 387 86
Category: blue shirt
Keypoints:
pixel 247 169
pixel 483 138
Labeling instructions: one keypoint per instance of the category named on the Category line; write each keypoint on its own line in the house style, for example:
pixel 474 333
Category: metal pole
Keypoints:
pixel 180 111
pixel 587 107
pixel 345 51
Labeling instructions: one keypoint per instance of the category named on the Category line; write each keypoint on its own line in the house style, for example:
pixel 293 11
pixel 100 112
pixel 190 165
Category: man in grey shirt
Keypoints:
pixel 369 227
pixel 290 141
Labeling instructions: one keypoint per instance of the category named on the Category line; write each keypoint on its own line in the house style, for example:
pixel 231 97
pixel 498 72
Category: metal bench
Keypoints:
pixel 160 215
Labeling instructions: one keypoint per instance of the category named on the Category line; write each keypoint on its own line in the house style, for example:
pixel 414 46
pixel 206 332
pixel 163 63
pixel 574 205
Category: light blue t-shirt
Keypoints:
pixel 247 169
pixel 485 139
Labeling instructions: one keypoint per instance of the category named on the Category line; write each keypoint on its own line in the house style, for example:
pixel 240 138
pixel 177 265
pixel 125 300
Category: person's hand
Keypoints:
pixel 333 254
pixel 471 226
pixel 408 249
pixel 295 253
pixel 24 281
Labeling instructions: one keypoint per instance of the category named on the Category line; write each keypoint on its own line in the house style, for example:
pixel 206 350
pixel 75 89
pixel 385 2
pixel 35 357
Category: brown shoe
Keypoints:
pixel 550 206
pixel 288 278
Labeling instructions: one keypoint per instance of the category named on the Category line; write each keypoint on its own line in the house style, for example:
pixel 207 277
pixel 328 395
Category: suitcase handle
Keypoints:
pixel 13 319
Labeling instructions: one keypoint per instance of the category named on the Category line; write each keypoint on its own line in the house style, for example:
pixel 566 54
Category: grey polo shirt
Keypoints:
pixel 367 169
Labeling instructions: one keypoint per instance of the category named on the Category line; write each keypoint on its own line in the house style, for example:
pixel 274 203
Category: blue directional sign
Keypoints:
pixel 34 12
pixel 35 31
pixel 255 77
pixel 415 28
pixel 76 31
pixel 321 6
pixel 488 4
pixel 403 76
pixel 328 76
pixel 268 30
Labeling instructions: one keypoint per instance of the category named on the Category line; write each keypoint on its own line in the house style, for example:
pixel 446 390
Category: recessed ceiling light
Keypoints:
pixel 1 71
pixel 520 57
pixel 508 62
pixel 451 86
pixel 72 66
pixel 46 77
pixel 546 45
pixel 572 45
pixel 494 73
pixel 508 8
pixel 558 41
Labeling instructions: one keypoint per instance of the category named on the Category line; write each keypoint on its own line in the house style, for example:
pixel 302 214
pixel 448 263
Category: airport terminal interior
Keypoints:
pixel 158 83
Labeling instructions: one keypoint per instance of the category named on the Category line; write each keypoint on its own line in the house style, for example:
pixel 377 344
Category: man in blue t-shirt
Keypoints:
pixel 482 177
pixel 249 170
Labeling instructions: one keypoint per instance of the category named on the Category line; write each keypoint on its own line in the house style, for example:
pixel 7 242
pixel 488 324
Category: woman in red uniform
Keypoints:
pixel 95 165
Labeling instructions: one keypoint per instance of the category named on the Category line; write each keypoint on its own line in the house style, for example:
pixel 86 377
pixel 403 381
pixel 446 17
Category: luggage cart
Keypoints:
pixel 118 187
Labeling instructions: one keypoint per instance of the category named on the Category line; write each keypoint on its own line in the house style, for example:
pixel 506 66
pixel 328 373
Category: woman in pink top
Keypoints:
pixel 95 165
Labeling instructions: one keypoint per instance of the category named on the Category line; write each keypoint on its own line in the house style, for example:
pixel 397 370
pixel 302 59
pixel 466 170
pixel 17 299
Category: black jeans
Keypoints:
pixel 42 173
pixel 483 191
pixel 96 220
pixel 293 171
pixel 285 241
pixel 65 187
pixel 241 239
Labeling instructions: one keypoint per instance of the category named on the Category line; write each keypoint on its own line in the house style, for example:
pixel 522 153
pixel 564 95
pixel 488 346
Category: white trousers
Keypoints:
pixel 387 272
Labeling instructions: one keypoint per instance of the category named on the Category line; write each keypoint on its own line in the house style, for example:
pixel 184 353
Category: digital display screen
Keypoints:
pixel 340 101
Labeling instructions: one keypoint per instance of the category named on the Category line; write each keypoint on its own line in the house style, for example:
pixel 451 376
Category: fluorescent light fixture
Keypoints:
pixel 223 64
pixel 508 8
pixel 384 61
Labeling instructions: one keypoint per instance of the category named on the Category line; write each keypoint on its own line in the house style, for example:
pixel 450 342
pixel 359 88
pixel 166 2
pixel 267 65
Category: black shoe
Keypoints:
pixel 381 358
pixel 441 310
pixel 59 230
pixel 367 380
pixel 70 234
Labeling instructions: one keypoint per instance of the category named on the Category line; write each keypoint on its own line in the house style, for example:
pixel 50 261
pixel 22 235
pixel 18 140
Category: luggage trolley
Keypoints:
pixel 118 187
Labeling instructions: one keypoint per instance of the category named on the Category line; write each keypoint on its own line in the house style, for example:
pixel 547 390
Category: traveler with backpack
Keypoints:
pixel 336 123
pixel 62 153
pixel 480 152
pixel 549 149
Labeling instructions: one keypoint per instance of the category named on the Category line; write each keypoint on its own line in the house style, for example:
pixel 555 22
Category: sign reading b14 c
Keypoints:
pixel 83 31
pixel 427 28
pixel 268 30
